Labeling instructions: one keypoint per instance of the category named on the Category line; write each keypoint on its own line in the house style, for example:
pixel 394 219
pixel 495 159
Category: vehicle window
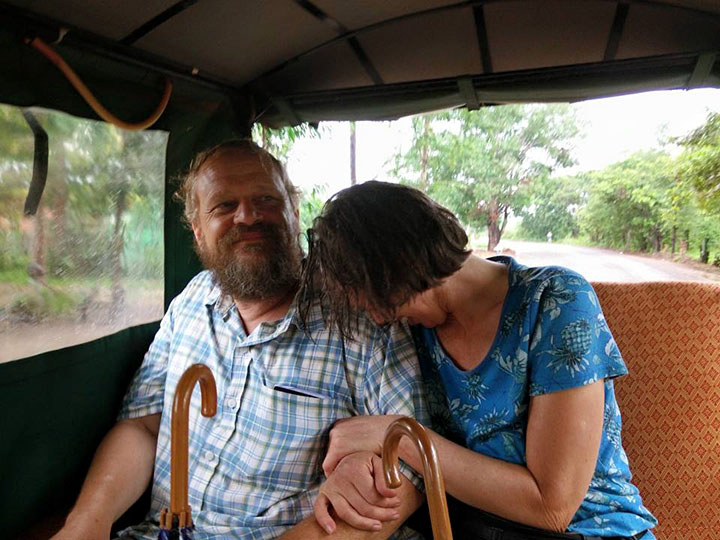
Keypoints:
pixel 619 189
pixel 89 261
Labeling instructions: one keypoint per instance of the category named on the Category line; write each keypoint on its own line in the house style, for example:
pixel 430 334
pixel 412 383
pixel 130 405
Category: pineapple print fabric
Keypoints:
pixel 552 336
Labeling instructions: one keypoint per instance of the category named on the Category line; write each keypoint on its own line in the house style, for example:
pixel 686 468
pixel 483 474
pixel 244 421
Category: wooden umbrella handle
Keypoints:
pixel 179 438
pixel 434 484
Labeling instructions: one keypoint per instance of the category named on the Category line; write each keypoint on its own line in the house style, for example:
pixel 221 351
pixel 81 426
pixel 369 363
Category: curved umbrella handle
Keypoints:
pixel 434 484
pixel 179 439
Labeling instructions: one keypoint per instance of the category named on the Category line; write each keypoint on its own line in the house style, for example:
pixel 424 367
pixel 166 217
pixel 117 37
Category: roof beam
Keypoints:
pixel 468 93
pixel 703 68
pixel 341 30
pixel 156 21
pixel 616 30
pixel 482 38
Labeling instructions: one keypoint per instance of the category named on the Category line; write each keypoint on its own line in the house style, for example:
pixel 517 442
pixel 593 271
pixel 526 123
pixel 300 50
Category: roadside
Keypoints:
pixel 599 264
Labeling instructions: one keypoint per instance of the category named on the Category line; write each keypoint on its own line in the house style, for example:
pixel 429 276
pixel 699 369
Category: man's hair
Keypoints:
pixel 377 245
pixel 186 191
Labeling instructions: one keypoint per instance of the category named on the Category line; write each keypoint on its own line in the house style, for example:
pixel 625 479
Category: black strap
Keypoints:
pixel 637 536
pixel 472 523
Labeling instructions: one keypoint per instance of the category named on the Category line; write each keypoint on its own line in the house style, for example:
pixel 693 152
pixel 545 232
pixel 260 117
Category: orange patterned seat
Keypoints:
pixel 669 336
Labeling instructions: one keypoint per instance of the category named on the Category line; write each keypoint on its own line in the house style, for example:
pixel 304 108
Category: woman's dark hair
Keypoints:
pixel 376 245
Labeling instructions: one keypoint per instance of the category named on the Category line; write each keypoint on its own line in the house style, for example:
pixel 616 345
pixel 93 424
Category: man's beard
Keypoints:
pixel 262 270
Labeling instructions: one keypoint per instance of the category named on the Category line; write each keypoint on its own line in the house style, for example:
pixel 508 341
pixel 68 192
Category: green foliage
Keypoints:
pixel 101 210
pixel 42 302
pixel 700 162
pixel 481 164
pixel 639 203
pixel 280 141
pixel 554 205
pixel 628 201
pixel 310 206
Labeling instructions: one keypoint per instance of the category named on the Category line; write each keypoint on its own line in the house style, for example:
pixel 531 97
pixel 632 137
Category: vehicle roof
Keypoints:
pixel 312 60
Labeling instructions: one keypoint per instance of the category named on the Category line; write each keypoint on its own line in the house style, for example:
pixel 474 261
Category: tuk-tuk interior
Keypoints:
pixel 285 62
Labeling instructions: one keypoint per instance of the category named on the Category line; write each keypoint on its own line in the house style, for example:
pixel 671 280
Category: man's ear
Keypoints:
pixel 197 232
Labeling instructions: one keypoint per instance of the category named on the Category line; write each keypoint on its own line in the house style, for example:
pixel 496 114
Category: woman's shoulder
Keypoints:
pixel 534 281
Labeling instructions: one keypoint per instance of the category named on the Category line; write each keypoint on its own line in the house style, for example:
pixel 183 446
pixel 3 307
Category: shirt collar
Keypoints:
pixel 223 304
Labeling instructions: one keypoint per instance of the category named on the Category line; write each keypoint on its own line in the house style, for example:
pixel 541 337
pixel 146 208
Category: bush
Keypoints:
pixel 41 303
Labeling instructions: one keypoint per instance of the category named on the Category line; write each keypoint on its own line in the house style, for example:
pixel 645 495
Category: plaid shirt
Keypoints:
pixel 255 467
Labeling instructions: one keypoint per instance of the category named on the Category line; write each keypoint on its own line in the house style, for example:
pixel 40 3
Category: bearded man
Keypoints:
pixel 255 467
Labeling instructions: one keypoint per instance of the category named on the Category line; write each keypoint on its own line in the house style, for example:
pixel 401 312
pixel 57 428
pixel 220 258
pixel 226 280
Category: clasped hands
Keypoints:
pixel 355 486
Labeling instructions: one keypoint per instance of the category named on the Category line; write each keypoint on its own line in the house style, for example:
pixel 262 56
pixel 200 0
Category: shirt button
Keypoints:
pixel 209 456
pixel 231 403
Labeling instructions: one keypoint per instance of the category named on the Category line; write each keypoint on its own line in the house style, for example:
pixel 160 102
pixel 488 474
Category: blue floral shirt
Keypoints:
pixel 552 336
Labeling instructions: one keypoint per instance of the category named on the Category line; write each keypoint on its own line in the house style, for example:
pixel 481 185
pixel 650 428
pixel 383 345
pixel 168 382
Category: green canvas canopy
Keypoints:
pixel 302 60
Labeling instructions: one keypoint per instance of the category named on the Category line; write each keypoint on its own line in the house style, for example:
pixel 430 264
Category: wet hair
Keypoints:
pixel 186 191
pixel 375 246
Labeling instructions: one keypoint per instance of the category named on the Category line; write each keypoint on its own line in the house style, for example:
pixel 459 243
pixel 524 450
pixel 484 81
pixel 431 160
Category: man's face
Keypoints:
pixel 246 229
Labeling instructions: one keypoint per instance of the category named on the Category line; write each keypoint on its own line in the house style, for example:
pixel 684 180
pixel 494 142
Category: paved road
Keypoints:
pixel 605 265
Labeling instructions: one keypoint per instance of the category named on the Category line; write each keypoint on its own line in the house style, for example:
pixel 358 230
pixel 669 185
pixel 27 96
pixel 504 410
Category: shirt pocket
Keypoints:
pixel 284 435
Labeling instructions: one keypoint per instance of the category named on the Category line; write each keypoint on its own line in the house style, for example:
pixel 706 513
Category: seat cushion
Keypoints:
pixel 669 336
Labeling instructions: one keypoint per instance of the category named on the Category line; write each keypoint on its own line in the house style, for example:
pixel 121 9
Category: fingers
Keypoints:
pixel 351 492
pixel 354 516
pixel 322 515
pixel 330 462
pixel 369 503
pixel 381 487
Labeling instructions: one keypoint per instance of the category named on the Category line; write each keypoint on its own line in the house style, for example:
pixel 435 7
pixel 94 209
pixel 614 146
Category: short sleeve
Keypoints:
pixel 393 383
pixel 570 344
pixel 146 392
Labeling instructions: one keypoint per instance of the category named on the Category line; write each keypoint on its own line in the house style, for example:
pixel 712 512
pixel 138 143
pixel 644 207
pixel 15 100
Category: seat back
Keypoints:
pixel 669 336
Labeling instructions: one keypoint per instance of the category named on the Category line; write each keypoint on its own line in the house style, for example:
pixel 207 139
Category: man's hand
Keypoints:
pixel 357 492
pixel 356 434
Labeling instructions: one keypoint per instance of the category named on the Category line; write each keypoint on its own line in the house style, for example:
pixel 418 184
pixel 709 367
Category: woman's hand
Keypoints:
pixel 357 492
pixel 356 434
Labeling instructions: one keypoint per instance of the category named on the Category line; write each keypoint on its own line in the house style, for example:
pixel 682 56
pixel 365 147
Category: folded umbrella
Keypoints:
pixel 176 522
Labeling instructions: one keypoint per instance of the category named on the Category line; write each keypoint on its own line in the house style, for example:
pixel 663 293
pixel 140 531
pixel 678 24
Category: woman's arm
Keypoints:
pixel 562 443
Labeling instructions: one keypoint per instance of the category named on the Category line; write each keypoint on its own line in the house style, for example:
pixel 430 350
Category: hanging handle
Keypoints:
pixel 88 96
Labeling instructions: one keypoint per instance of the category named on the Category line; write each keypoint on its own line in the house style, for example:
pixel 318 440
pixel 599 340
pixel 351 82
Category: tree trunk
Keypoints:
pixel 118 244
pixel 353 176
pixel 705 250
pixel 37 253
pixel 674 238
pixel 424 154
pixel 657 239
pixel 59 190
pixel 493 225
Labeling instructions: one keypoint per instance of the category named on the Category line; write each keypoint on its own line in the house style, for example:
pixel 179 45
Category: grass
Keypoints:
pixel 14 275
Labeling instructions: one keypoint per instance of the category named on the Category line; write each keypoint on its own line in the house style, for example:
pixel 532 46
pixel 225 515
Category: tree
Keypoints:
pixel 629 203
pixel 554 204
pixel 481 164
pixel 700 162
pixel 280 141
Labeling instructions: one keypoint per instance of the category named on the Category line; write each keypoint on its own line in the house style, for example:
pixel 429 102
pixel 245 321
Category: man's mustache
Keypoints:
pixel 239 231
